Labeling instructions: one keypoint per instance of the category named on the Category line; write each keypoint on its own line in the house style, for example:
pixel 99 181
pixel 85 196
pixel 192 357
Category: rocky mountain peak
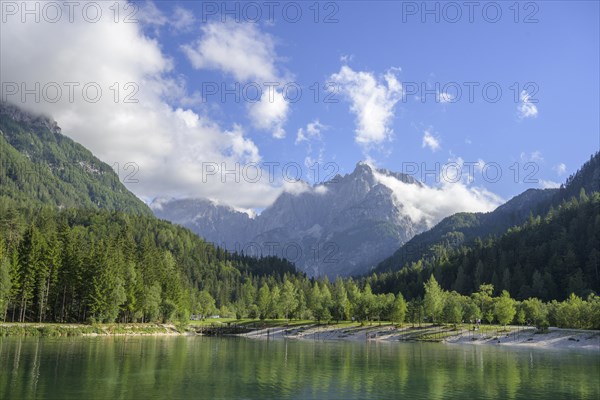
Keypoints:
pixel 19 115
pixel 344 230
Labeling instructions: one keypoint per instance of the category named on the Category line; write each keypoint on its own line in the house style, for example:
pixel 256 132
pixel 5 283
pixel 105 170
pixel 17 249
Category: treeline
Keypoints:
pixel 442 306
pixel 91 265
pixel 301 298
pixel 548 257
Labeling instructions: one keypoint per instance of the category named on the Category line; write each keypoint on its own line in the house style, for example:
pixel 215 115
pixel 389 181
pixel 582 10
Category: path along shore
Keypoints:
pixel 554 338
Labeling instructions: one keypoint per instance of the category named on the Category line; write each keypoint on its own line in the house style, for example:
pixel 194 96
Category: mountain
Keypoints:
pixel 464 228
pixel 38 164
pixel 586 178
pixel 220 225
pixel 548 257
pixel 341 227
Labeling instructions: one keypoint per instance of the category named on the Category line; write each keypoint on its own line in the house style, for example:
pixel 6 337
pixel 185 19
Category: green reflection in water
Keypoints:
pixel 195 367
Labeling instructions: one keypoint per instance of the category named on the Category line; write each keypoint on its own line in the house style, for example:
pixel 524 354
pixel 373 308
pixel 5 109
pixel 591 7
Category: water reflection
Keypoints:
pixel 194 367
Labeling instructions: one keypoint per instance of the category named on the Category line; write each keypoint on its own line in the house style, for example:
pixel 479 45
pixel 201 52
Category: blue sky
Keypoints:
pixel 376 54
pixel 558 53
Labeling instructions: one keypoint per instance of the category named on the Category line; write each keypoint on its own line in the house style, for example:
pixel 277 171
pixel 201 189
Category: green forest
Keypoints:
pixel 102 266
pixel 548 257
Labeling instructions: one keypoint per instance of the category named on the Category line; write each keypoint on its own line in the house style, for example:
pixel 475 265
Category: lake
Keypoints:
pixel 181 367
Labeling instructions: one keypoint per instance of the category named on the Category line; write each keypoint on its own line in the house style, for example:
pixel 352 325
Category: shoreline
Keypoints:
pixel 514 336
pixel 555 338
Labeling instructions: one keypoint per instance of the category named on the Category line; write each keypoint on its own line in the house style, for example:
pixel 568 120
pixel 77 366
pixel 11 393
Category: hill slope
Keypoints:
pixel 464 228
pixel 547 257
pixel 76 246
pixel 38 164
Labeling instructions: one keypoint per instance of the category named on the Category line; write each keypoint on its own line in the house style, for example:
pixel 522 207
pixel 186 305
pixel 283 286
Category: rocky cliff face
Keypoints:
pixel 18 115
pixel 341 227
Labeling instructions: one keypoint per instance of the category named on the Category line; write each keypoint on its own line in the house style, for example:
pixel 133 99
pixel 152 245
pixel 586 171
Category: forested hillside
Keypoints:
pixel 548 257
pixel 76 245
pixel 39 165
pixel 95 265
pixel 463 228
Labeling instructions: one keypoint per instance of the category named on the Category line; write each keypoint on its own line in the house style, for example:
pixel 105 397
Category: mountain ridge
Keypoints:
pixel 464 228
pixel 40 164
pixel 335 228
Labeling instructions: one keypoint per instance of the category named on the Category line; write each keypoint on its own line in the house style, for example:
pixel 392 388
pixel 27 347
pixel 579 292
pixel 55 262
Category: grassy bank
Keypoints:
pixel 274 329
pixel 63 330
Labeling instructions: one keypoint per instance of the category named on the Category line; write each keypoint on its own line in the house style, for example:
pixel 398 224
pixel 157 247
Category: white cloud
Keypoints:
pixel 372 101
pixel 444 97
pixel 480 165
pixel 526 108
pixel 547 184
pixel 458 170
pixel 149 14
pixel 560 169
pixel 430 141
pixel 239 49
pixel 429 205
pixel 170 145
pixel 312 131
pixel 346 58
pixel 182 19
pixel 311 135
pixel 247 54
pixel 270 113
pixel 535 156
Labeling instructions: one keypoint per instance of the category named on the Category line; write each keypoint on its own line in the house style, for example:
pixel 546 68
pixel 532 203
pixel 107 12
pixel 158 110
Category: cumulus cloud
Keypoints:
pixel 243 51
pixel 526 108
pixel 430 141
pixel 270 113
pixel 372 101
pixel 171 145
pixel 239 49
pixel 429 205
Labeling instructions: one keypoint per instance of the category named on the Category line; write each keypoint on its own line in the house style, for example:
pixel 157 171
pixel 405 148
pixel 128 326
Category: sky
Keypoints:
pixel 479 101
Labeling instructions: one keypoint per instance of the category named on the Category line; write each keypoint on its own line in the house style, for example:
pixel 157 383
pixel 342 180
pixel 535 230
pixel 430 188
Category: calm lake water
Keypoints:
pixel 224 368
